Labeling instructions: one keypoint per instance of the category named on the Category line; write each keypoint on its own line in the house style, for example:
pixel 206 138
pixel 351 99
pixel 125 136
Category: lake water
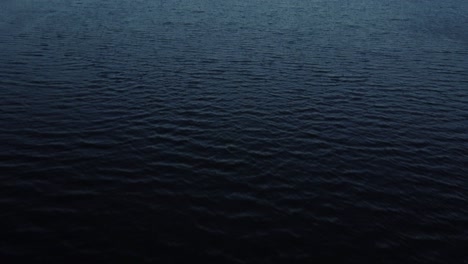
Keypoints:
pixel 234 131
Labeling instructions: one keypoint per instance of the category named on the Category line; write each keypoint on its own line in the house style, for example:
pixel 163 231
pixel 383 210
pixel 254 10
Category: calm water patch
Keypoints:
pixel 234 131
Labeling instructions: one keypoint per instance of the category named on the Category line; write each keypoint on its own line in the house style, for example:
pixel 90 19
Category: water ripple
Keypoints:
pixel 233 132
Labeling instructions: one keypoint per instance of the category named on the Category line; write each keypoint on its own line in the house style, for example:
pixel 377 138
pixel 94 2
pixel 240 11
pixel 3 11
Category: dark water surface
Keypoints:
pixel 234 131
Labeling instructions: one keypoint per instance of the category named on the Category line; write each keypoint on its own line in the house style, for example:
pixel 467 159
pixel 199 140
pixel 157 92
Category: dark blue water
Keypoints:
pixel 234 131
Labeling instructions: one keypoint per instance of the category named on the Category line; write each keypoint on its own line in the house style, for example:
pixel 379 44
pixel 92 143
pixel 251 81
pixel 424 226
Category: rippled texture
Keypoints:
pixel 234 131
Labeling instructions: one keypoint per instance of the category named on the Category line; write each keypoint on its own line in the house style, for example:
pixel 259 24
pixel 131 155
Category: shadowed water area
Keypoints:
pixel 234 131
